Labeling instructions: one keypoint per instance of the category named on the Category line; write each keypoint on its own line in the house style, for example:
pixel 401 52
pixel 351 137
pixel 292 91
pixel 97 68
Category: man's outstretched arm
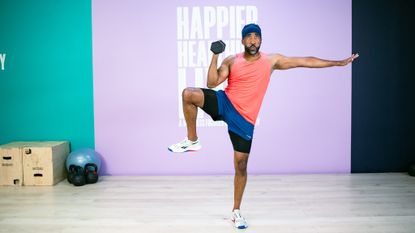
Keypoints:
pixel 281 62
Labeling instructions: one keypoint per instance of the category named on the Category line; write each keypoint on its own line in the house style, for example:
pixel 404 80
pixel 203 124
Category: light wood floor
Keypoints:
pixel 358 203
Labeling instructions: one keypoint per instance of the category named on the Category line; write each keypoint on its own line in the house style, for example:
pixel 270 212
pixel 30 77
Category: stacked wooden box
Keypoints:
pixel 33 163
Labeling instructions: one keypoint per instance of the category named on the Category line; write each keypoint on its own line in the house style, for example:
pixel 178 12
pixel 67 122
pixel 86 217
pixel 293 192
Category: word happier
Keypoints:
pixel 225 21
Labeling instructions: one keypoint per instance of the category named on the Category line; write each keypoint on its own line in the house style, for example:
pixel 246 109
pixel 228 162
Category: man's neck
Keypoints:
pixel 249 57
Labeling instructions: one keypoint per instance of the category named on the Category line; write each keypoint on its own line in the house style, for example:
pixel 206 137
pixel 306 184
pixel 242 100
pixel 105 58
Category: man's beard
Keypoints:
pixel 252 49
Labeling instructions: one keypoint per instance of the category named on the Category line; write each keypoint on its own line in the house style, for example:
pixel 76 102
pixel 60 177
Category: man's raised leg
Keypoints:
pixel 192 98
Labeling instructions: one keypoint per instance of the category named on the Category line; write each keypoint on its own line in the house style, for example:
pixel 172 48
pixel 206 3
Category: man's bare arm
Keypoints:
pixel 216 75
pixel 281 62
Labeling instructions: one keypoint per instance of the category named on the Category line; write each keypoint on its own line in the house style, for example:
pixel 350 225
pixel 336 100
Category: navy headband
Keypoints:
pixel 251 28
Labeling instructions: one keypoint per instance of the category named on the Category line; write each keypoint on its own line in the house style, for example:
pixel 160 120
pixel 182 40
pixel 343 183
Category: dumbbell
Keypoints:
pixel 76 175
pixel 411 170
pixel 91 173
pixel 71 173
pixel 218 47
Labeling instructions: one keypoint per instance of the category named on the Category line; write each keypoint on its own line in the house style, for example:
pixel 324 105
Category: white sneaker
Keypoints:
pixel 238 220
pixel 185 145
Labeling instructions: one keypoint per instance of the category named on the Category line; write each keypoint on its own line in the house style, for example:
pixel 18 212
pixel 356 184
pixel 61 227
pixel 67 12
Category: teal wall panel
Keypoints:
pixel 46 87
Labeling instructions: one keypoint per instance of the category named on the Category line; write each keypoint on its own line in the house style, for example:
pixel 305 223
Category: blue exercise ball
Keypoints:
pixel 81 157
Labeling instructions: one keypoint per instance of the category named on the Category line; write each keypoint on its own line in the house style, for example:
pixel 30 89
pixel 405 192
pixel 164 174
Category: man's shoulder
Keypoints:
pixel 273 55
pixel 230 59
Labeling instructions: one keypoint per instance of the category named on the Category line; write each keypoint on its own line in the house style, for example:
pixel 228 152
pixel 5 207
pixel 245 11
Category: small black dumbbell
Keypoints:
pixel 411 171
pixel 91 173
pixel 71 173
pixel 217 47
pixel 78 177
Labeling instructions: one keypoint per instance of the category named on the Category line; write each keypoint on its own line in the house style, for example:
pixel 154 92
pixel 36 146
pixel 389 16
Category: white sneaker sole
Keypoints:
pixel 188 149
pixel 238 227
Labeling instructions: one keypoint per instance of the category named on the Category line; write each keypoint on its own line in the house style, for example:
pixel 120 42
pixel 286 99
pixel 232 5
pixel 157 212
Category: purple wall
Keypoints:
pixel 140 69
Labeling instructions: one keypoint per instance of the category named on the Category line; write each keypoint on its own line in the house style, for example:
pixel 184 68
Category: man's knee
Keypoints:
pixel 189 93
pixel 192 95
pixel 241 166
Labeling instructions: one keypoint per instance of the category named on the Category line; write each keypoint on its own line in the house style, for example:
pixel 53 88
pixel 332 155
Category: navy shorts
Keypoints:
pixel 219 107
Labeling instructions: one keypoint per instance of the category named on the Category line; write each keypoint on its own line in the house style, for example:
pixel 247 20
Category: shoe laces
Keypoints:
pixel 186 142
pixel 237 215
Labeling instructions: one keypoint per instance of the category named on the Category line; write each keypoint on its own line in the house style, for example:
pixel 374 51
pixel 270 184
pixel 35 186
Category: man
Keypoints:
pixel 248 75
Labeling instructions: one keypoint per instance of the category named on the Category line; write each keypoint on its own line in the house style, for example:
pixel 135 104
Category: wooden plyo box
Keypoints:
pixel 44 162
pixel 11 168
pixel 33 163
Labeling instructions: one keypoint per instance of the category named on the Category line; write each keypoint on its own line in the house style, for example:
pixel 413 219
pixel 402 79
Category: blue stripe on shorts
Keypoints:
pixel 236 122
